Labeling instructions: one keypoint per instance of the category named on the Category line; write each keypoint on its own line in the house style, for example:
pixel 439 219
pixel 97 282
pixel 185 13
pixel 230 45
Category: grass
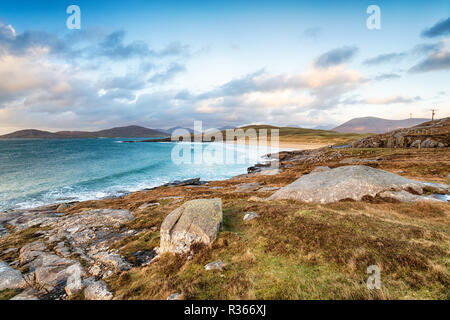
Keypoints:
pixel 8 293
pixel 306 251
pixel 296 250
pixel 18 240
pixel 293 250
pixel 298 135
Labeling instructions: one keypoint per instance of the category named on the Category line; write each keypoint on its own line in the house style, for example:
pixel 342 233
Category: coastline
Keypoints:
pixel 115 242
pixel 283 146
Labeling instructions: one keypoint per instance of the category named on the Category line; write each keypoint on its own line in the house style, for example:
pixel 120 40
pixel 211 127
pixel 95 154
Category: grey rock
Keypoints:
pixel 9 250
pixel 320 169
pixel 98 290
pixel 416 144
pixel 112 260
pixel 404 196
pixel 174 296
pixel 51 270
pixel 3 232
pixel 215 265
pixel 27 294
pixel 194 221
pixel 266 189
pixel 269 171
pixel 147 205
pixel 10 278
pixel 61 249
pixel 171 198
pixel 250 216
pixel 108 274
pixel 349 161
pixel 74 285
pixel 246 187
pixel 62 207
pixel 347 182
pixel 95 270
pixel 30 251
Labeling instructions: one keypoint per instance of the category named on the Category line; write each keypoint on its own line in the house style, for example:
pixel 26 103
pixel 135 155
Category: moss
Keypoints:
pixel 8 293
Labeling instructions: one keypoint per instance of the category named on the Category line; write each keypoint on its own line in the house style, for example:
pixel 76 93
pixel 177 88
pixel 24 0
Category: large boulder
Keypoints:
pixel 347 182
pixel 195 221
pixel 10 278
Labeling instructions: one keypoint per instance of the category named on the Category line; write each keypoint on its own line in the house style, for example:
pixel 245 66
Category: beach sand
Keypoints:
pixel 287 145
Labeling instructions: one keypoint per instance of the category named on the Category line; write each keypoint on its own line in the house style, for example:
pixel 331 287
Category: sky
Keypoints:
pixel 161 64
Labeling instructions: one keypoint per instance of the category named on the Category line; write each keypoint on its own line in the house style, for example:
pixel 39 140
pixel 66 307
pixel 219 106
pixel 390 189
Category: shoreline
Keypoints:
pixel 115 242
pixel 282 147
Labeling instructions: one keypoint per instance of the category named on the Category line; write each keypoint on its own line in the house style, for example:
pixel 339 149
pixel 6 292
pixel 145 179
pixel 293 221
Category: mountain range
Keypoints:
pixel 376 125
pixel 118 132
pixel 356 125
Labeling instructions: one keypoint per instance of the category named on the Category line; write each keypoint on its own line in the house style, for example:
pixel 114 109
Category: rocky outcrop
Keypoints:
pixel 215 265
pixel 188 182
pixel 10 278
pixel 174 296
pixel 250 216
pixel 348 182
pixel 248 187
pixel 433 134
pixel 28 294
pixel 98 290
pixel 195 221
pixel 404 196
pixel 53 262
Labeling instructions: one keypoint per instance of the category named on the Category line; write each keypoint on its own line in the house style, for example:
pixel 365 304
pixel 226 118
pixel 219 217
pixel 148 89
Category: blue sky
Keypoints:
pixel 166 63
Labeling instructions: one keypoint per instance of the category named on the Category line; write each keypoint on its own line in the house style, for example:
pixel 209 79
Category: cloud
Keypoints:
pixel 130 81
pixel 381 100
pixel 384 58
pixel 335 57
pixel 19 44
pixel 168 74
pixel 426 48
pixel 392 100
pixel 312 33
pixel 441 28
pixel 436 61
pixel 113 46
pixel 387 76
pixel 84 44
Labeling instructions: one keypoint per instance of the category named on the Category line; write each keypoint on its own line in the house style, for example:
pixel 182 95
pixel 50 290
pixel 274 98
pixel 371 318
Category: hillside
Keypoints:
pixel 30 134
pixel 119 132
pixel 297 136
pixel 376 125
pixel 431 134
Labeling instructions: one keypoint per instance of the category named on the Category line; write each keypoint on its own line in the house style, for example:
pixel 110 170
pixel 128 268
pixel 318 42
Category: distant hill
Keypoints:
pixel 118 132
pixel 31 134
pixel 293 134
pixel 170 130
pixel 376 125
pixel 431 134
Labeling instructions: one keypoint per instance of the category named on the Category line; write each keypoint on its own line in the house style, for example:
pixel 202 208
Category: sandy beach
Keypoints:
pixel 286 145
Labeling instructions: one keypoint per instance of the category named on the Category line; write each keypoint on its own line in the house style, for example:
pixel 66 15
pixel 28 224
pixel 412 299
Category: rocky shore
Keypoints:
pixel 82 250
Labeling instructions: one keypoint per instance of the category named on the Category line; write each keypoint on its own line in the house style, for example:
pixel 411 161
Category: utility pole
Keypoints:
pixel 433 112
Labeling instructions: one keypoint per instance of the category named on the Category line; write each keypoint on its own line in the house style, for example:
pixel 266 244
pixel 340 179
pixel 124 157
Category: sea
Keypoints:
pixel 40 172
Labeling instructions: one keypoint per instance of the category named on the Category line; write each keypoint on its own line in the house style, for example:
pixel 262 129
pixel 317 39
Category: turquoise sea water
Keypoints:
pixel 39 172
